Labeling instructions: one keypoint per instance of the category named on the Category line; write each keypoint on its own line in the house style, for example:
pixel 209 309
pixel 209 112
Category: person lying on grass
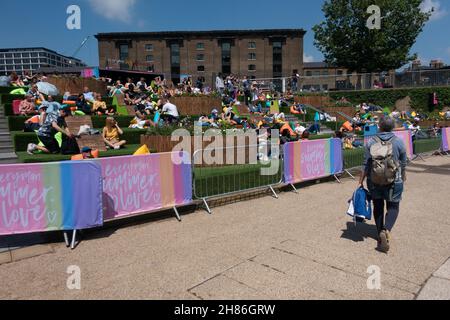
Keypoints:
pixel 111 135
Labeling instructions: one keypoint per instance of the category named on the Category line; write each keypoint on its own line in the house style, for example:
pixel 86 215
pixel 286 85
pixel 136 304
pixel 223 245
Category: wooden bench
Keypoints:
pixel 94 142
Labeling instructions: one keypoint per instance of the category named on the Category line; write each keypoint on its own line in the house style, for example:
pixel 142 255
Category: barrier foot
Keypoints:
pixel 207 206
pixel 295 189
pixel 177 214
pixel 74 238
pixel 352 176
pixel 66 239
pixel 274 193
pixel 417 156
pixel 337 179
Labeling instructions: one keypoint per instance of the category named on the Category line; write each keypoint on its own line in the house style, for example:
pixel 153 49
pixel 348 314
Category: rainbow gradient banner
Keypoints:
pixel 309 160
pixel 405 136
pixel 50 197
pixel 140 184
pixel 446 139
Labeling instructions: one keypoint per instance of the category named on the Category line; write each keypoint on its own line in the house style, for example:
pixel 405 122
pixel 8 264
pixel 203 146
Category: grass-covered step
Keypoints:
pixel 24 157
pixel 22 139
pixel 16 123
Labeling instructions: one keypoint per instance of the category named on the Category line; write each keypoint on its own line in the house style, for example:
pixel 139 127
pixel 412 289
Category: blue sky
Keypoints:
pixel 43 23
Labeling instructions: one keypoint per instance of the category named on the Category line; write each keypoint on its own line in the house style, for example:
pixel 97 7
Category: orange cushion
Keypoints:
pixel 78 157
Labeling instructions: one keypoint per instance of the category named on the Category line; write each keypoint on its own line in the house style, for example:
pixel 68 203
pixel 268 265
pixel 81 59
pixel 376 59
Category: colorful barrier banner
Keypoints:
pixel 309 160
pixel 50 197
pixel 140 184
pixel 446 139
pixel 405 136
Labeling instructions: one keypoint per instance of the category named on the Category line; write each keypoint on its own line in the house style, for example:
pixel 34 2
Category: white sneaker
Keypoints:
pixel 31 147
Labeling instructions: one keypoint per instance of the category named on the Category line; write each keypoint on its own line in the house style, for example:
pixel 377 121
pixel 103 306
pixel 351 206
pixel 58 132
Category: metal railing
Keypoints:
pixel 322 81
pixel 246 170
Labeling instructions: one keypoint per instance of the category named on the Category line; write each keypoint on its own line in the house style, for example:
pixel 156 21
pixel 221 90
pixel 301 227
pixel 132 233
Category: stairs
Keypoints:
pixel 7 154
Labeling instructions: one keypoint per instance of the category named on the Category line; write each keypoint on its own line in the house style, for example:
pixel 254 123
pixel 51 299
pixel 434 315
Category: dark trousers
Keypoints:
pixel 248 97
pixel 385 222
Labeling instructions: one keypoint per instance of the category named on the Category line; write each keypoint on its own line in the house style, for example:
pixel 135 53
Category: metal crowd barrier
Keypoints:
pixel 239 170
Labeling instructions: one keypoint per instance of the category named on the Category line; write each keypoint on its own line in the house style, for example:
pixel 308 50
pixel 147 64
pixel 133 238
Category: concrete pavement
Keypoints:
pixel 298 247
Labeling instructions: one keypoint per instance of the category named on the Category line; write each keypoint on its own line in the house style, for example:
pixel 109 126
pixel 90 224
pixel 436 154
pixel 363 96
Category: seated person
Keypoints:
pixel 86 153
pixel 305 136
pixel 100 107
pixel 52 105
pixel 117 89
pixel 51 125
pixel 111 134
pixel 34 123
pixel 88 95
pixel 297 109
pixel 34 92
pixel 83 105
pixel 299 129
pixel 27 106
pixel 169 111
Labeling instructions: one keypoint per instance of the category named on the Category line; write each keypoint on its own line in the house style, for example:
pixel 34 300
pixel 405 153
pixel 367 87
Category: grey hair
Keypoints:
pixel 387 124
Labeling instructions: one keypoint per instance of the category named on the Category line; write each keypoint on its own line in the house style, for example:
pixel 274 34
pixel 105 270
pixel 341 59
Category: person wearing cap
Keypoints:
pixel 86 152
pixel 51 125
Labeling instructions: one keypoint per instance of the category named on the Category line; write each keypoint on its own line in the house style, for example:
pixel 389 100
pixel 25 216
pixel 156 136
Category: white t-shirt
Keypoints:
pixel 171 109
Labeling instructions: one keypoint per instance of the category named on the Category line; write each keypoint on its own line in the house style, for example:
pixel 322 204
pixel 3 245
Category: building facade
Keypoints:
pixel 205 54
pixel 22 60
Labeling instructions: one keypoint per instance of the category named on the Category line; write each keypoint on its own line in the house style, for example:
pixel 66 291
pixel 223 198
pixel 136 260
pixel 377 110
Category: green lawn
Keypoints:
pixel 39 158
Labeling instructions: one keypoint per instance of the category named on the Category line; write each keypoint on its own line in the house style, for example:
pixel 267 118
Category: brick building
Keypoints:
pixel 255 53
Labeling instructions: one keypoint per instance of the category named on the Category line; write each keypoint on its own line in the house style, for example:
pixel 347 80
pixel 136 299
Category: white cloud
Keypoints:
pixel 120 10
pixel 308 58
pixel 435 6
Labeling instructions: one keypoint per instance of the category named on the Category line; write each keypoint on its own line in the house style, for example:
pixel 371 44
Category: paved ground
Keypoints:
pixel 298 247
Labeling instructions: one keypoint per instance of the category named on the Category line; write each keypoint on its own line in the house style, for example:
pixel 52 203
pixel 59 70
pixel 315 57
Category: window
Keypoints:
pixel 325 73
pixel 149 58
pixel 252 45
pixel 226 57
pixel 151 69
pixel 17 61
pixel 200 57
pixel 316 73
pixel 123 52
pixel 200 46
pixel 201 68
pixel 8 55
pixel 340 72
pixel 149 47
pixel 251 67
pixel 252 56
pixel 17 55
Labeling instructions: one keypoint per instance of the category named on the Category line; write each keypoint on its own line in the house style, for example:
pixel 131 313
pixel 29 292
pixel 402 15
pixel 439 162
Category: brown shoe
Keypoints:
pixel 383 244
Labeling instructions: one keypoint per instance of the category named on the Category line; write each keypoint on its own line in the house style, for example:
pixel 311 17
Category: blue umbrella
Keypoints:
pixel 47 89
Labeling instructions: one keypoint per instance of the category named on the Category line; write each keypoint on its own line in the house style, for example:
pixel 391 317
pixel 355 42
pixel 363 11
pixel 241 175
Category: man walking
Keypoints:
pixel 385 163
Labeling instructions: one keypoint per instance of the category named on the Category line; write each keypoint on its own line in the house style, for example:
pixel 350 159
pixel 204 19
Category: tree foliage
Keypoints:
pixel 346 41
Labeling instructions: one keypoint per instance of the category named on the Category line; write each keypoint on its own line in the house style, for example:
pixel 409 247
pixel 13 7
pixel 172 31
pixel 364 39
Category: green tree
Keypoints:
pixel 346 41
